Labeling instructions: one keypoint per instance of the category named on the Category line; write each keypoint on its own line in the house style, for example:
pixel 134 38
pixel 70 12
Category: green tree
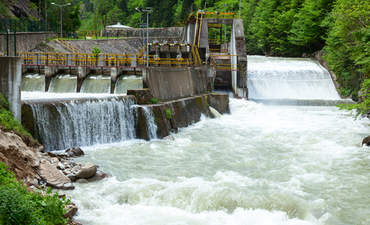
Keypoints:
pixel 347 49
pixel 308 30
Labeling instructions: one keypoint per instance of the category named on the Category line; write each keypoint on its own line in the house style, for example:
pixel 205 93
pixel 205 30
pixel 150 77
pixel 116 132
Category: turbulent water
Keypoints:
pixel 260 165
pixel 151 126
pixel 288 78
pixel 266 165
pixel 65 125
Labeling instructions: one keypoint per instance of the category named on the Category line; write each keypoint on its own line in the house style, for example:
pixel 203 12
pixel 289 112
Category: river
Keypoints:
pixel 261 164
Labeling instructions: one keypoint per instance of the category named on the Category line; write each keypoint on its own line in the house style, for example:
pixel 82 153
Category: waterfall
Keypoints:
pixel 289 78
pixel 150 123
pixel 125 83
pixel 96 84
pixel 69 124
pixel 33 82
pixel 63 84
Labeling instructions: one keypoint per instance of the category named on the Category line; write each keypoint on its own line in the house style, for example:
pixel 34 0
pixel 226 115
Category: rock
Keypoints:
pixel 61 166
pixel 88 170
pixel 68 186
pixel 75 152
pixel 72 177
pixel 82 181
pixel 52 176
pixel 98 176
pixel 366 141
pixel 71 210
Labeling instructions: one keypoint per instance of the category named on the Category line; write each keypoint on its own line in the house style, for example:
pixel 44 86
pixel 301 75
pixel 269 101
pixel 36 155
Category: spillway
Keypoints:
pixel 274 78
pixel 66 124
pixel 125 83
pixel 96 84
pixel 63 84
pixel 33 82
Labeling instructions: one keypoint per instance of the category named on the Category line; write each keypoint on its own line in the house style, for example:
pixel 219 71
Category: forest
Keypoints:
pixel 339 29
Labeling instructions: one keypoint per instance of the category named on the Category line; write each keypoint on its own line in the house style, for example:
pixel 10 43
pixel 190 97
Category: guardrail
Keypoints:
pixel 99 60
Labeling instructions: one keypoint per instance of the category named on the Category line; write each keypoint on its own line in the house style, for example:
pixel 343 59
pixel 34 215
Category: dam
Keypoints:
pixel 286 155
pixel 260 164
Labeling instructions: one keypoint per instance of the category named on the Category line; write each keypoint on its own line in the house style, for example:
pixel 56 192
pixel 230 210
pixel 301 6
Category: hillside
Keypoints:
pixel 18 9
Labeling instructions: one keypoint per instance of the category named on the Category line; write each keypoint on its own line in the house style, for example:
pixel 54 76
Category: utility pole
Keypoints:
pixel 46 15
pixel 147 10
pixel 61 16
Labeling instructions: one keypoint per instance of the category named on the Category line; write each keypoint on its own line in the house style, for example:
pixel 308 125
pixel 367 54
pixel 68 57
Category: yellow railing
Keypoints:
pixel 103 59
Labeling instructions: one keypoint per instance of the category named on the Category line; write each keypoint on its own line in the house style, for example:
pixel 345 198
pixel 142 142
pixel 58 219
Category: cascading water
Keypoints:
pixel 125 83
pixel 63 84
pixel 150 123
pixel 96 84
pixel 33 82
pixel 65 125
pixel 289 78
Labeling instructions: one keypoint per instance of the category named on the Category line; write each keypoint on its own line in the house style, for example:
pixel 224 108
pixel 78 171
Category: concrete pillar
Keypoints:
pixel 10 82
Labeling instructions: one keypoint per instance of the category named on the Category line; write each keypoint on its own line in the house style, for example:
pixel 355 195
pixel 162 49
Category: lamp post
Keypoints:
pixel 146 10
pixel 61 16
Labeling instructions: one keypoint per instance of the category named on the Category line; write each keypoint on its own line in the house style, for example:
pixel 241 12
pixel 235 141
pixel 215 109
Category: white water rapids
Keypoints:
pixel 260 165
pixel 269 165
pixel 289 78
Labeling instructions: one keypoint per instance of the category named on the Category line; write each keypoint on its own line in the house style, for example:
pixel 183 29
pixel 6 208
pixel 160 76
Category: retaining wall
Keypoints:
pixel 10 81
pixel 25 41
pixel 167 83
pixel 172 115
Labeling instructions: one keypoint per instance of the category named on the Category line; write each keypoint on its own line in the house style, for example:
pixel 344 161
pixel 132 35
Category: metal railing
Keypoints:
pixel 99 60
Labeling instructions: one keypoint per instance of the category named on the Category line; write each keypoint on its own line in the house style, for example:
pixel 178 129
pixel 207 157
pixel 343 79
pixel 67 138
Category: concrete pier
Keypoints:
pixel 10 81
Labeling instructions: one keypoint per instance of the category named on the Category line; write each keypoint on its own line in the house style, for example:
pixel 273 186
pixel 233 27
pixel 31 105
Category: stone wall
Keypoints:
pixel 10 81
pixel 25 41
pixel 166 83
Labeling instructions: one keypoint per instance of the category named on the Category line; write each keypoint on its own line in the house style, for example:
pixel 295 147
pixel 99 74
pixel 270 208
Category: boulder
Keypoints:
pixel 75 152
pixel 88 170
pixel 366 141
pixel 54 177
pixel 98 176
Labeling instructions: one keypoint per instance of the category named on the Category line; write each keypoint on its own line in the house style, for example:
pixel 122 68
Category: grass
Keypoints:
pixel 18 205
pixel 7 120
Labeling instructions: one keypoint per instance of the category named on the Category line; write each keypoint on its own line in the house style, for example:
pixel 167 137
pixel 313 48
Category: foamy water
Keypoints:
pixel 265 165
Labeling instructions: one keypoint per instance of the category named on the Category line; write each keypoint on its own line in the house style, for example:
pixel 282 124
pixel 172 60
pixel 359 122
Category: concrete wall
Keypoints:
pixel 10 81
pixel 25 41
pixel 172 115
pixel 165 32
pixel 168 83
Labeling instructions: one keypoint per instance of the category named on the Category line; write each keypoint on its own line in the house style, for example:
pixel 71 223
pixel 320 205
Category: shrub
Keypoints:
pixel 168 114
pixel 363 107
pixel 18 205
pixel 154 100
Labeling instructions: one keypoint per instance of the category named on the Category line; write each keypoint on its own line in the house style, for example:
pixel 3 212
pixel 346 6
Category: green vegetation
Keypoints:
pixel 20 206
pixel 154 100
pixel 293 28
pixel 7 120
pixel 3 9
pixel 348 44
pixel 168 114
pixel 363 107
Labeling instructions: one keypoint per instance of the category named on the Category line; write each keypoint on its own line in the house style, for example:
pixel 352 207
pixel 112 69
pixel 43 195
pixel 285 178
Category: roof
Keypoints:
pixel 118 25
